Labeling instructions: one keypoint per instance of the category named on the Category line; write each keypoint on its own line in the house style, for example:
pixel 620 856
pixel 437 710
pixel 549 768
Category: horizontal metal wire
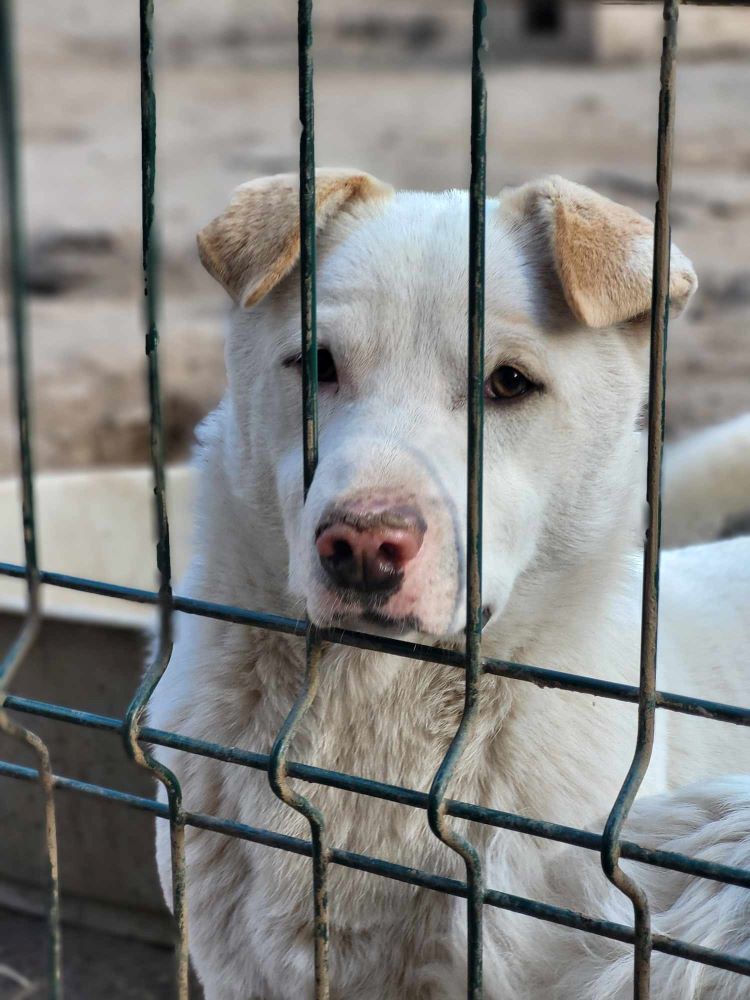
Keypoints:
pixel 391 793
pixel 401 873
pixel 540 676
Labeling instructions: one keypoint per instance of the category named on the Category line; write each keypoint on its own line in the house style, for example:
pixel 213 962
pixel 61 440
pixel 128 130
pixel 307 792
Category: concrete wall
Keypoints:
pixel 97 524
pixel 90 656
pixel 107 870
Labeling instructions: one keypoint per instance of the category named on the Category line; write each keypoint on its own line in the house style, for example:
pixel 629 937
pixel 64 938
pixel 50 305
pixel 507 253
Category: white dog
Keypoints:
pixel 379 545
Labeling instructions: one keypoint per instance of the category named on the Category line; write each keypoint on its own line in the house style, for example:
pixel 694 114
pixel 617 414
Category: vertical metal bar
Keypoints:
pixel 15 656
pixel 308 301
pixel 134 715
pixel 277 774
pixel 475 388
pixel 610 853
pixel 17 275
pixel 46 780
pixel 279 781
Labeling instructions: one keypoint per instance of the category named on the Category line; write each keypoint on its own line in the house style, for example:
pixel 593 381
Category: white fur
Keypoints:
pixel 707 483
pixel 710 821
pixel 562 489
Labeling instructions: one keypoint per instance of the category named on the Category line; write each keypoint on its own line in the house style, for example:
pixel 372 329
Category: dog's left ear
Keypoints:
pixel 255 242
pixel 602 252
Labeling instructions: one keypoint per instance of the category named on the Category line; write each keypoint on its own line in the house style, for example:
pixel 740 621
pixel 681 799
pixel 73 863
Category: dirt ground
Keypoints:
pixel 221 122
pixel 95 965
pixel 226 115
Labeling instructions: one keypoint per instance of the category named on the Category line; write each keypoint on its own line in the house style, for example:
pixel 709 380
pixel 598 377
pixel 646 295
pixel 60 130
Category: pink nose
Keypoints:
pixel 368 552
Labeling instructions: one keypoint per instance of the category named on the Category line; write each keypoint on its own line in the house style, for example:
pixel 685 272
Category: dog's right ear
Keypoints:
pixel 255 242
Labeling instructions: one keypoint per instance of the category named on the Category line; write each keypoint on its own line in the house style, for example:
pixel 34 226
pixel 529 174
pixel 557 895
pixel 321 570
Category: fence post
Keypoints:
pixel 436 811
pixel 155 671
pixel 16 655
pixel 611 846
pixel 277 771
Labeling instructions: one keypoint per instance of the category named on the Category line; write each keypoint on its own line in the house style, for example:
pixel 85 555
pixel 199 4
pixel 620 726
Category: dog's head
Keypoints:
pixel 380 540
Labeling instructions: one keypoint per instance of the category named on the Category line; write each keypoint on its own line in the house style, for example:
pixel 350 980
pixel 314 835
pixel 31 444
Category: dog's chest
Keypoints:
pixel 393 720
pixel 379 717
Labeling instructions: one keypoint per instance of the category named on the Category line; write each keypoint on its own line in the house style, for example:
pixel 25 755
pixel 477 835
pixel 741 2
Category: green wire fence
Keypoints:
pixel 278 766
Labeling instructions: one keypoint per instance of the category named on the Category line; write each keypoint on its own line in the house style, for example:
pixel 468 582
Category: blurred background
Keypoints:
pixel 573 89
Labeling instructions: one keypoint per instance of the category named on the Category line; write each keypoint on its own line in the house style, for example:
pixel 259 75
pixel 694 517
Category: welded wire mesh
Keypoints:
pixel 277 764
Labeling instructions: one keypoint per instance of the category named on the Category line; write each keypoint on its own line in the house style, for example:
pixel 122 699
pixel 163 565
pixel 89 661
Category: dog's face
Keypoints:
pixel 380 541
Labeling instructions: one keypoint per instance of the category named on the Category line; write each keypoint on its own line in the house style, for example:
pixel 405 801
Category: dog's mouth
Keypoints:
pixel 373 620
pixel 376 622
pixel 397 626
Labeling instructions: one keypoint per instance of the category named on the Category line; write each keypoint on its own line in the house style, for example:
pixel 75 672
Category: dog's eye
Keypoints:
pixel 507 383
pixel 326 365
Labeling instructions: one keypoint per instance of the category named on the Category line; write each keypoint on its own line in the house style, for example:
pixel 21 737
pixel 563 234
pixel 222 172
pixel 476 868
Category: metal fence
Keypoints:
pixel 278 766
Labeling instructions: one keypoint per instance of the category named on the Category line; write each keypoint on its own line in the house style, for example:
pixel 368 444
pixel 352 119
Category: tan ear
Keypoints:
pixel 255 242
pixel 602 252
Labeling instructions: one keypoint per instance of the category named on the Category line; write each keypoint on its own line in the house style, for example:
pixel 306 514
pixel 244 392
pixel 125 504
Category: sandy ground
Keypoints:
pixel 223 119
pixel 220 124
